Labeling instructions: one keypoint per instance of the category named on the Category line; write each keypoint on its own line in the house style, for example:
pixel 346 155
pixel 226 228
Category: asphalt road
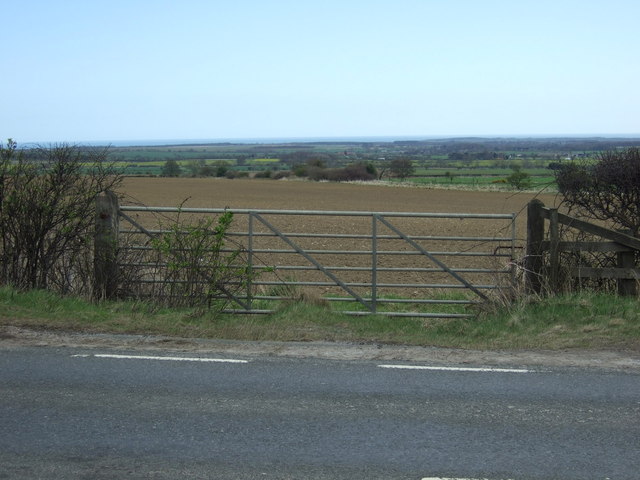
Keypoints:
pixel 74 413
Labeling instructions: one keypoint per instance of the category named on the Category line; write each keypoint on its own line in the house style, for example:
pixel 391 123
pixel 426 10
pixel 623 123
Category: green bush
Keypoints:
pixel 519 179
pixel 197 266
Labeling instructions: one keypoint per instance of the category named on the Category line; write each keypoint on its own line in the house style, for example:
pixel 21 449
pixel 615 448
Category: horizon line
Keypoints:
pixel 317 139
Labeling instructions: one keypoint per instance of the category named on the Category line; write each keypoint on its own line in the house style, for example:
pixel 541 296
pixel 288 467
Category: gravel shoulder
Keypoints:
pixel 15 337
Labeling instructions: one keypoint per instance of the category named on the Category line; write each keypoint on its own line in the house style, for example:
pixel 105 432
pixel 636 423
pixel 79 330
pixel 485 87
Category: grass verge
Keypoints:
pixel 586 321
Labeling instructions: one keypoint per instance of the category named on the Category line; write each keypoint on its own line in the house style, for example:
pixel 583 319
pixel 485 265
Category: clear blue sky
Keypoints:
pixel 94 70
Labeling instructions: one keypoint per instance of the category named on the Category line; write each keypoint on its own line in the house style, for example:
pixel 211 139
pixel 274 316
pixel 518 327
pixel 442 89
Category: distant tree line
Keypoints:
pixel 198 168
pixel 315 169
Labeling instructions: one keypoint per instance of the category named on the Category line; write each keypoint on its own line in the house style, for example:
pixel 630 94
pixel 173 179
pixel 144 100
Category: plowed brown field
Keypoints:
pixel 302 195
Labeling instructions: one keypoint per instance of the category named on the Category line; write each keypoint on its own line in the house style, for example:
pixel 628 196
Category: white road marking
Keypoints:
pixel 458 369
pixel 456 478
pixel 174 359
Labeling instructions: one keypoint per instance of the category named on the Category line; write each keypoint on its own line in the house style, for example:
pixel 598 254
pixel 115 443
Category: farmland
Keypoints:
pixel 455 162
pixel 300 194
pixel 330 196
pixel 305 195
pixel 444 179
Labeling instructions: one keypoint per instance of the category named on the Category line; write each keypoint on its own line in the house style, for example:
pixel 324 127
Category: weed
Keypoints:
pixel 195 265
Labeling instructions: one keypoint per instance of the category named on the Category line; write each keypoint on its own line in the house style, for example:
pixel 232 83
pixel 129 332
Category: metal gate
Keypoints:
pixel 362 263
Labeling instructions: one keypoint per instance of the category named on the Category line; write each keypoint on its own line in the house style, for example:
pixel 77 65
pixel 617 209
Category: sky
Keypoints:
pixel 86 71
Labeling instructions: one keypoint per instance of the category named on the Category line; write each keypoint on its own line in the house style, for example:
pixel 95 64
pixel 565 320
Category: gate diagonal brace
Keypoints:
pixel 433 259
pixel 317 264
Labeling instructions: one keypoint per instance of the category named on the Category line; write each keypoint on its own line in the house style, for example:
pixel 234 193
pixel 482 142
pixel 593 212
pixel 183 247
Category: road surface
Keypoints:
pixel 94 413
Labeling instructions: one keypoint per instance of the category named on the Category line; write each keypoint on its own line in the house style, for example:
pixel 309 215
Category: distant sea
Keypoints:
pixel 279 140
pixel 248 141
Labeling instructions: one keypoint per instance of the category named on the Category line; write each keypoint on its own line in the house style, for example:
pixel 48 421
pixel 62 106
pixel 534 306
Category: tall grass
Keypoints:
pixel 581 320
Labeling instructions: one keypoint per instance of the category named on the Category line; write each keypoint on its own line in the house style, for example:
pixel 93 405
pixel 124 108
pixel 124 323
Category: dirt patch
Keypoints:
pixel 14 337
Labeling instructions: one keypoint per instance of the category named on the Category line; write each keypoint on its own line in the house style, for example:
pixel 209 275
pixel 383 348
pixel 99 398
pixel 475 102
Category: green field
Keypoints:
pixel 465 163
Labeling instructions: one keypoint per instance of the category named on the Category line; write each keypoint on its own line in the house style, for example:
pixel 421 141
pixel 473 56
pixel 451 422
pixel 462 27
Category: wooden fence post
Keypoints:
pixel 105 255
pixel 627 286
pixel 554 253
pixel 535 237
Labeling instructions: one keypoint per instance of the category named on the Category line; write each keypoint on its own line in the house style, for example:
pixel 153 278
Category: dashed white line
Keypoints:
pixel 458 369
pixel 449 478
pixel 173 359
pixel 456 478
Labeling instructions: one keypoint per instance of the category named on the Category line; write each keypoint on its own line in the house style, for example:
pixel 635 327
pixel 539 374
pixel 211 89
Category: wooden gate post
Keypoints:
pixel 554 254
pixel 535 237
pixel 105 255
pixel 627 286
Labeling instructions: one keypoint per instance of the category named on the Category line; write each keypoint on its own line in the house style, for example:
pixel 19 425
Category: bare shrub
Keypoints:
pixel 358 171
pixel 47 205
pixel 607 190
pixel 401 167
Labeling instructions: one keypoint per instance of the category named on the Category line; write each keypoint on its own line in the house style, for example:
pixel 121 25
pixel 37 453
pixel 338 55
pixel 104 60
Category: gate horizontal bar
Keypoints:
pixel 311 268
pixel 394 269
pixel 362 314
pixel 425 301
pixel 341 236
pixel 353 252
pixel 334 213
